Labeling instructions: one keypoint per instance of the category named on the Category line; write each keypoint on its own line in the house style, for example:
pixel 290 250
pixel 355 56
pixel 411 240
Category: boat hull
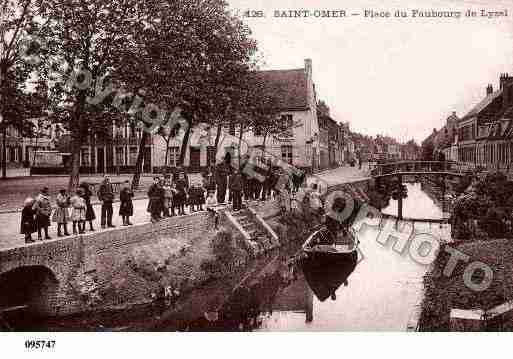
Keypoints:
pixel 326 271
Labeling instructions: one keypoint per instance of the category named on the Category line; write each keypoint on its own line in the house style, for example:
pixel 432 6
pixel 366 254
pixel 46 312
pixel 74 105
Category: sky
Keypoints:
pixel 400 77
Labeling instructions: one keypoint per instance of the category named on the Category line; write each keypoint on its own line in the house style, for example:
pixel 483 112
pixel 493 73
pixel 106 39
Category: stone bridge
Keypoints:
pixel 442 168
pixel 69 275
pixel 92 271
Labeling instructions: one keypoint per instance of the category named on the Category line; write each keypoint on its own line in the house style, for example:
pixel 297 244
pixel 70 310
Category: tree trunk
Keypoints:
pixel 35 149
pixel 78 130
pixel 4 155
pixel 218 136
pixel 166 160
pixel 240 140
pixel 263 141
pixel 185 142
pixel 139 163
pixel 74 176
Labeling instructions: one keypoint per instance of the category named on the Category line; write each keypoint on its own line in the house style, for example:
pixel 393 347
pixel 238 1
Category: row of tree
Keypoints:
pixel 91 62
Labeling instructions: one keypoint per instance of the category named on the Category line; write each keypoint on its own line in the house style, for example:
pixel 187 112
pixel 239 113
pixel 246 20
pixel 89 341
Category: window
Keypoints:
pixel 286 153
pixel 119 131
pixel 287 121
pixel 132 131
pixel 211 155
pixel 257 131
pixel 120 158
pixel 173 155
pixel 85 156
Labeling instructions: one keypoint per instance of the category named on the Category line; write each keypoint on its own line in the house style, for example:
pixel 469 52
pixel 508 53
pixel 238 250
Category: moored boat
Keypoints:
pixel 328 261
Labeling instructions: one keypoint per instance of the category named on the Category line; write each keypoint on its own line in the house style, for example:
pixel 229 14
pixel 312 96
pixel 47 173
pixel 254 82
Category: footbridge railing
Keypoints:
pixel 420 167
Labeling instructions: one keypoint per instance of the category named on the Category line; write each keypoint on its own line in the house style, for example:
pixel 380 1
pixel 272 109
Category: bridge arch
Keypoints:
pixel 34 286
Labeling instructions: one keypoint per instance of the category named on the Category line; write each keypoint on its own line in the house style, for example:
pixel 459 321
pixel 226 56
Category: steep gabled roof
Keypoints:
pixel 290 86
pixel 483 104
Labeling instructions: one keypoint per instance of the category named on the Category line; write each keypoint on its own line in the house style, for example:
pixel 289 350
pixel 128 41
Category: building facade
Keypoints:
pixel 302 144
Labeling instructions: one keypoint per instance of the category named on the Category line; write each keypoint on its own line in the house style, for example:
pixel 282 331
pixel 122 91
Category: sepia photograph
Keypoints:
pixel 172 166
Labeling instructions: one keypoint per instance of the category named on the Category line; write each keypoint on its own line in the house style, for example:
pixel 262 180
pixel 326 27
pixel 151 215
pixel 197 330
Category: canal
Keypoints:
pixel 381 294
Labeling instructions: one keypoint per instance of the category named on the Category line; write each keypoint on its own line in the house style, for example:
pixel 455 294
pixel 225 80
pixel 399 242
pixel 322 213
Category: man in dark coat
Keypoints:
pixel 126 207
pixel 155 195
pixel 221 179
pixel 267 183
pixel 236 184
pixel 106 196
pixel 43 210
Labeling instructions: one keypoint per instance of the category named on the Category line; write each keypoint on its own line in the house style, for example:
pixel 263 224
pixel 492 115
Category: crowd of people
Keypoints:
pixel 76 208
pixel 168 196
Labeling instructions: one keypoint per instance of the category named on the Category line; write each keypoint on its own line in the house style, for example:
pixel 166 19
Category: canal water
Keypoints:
pixel 382 293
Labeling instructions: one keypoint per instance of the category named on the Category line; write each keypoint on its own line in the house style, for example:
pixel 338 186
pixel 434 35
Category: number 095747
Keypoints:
pixel 39 344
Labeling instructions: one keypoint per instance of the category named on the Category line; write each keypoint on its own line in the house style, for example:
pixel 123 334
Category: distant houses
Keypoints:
pixel 312 140
pixel 483 137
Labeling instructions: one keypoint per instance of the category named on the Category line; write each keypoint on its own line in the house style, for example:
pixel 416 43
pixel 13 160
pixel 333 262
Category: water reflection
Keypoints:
pixel 418 205
pixel 279 292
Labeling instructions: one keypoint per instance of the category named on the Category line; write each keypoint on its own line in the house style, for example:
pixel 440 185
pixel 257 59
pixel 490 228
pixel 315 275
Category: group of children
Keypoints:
pixel 37 213
pixel 168 197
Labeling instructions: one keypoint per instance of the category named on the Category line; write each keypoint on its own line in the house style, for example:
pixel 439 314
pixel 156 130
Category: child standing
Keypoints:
pixel 90 215
pixel 181 196
pixel 126 208
pixel 43 209
pixel 61 214
pixel 196 198
pixel 78 212
pixel 28 225
pixel 168 197
pixel 211 202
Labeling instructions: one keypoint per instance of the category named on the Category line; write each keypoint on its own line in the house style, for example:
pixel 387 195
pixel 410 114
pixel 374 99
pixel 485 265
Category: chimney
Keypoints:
pixel 308 67
pixel 503 78
pixel 489 89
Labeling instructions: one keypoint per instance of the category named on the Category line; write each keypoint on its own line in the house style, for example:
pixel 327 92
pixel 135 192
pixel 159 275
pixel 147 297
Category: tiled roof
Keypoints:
pixel 483 104
pixel 290 86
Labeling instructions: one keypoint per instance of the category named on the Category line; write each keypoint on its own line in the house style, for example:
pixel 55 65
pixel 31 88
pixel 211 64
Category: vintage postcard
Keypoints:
pixel 255 166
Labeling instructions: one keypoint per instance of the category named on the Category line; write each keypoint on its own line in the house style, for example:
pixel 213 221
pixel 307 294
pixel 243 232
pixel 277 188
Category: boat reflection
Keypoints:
pixel 326 273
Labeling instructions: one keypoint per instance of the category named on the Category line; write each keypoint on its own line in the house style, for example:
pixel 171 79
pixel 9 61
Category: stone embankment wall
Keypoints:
pixel 127 265
pixel 95 270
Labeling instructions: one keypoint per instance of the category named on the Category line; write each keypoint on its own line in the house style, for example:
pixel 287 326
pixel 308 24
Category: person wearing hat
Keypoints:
pixel 106 195
pixel 43 209
pixel 126 208
pixel 155 195
pixel 78 211
pixel 90 215
pixel 28 225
